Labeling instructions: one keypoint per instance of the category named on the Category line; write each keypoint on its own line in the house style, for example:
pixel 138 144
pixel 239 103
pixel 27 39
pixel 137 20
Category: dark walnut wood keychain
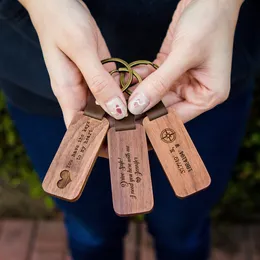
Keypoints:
pixel 73 162
pixel 178 156
pixel 128 153
pixel 129 165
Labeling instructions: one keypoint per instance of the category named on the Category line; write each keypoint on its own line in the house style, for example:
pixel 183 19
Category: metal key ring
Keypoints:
pixel 143 62
pixel 133 64
pixel 128 67
pixel 135 74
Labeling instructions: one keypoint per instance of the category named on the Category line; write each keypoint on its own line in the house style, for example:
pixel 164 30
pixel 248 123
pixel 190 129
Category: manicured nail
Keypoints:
pixel 138 104
pixel 116 108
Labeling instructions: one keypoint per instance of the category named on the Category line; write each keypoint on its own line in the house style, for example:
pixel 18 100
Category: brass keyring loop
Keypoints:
pixel 143 62
pixel 120 70
pixel 133 64
pixel 128 67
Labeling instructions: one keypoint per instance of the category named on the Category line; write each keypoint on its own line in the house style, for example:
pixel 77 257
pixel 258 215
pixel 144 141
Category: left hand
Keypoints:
pixel 195 60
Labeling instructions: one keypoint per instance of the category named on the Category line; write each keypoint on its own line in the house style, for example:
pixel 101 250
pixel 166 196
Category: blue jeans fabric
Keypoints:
pixel 181 227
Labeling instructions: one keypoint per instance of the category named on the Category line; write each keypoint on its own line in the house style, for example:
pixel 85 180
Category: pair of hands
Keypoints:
pixel 195 58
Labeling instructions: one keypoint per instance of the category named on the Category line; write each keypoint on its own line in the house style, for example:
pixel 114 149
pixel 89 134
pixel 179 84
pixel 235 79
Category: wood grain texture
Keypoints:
pixel 130 171
pixel 73 162
pixel 179 158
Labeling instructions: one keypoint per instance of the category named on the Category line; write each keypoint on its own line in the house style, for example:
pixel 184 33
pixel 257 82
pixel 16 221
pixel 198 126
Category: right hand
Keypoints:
pixel 73 47
pixel 195 60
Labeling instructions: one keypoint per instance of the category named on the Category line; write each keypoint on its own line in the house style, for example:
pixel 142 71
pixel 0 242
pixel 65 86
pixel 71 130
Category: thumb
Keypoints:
pixel 156 85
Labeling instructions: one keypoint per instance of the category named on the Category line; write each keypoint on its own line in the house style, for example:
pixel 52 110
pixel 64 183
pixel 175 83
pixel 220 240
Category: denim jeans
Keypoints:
pixel 180 227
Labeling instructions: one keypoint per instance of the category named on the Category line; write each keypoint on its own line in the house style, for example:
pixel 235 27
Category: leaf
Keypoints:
pixel 49 202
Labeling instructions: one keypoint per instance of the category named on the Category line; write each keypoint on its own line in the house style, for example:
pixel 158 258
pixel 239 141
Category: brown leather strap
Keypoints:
pixel 157 111
pixel 139 117
pixel 128 123
pixel 93 110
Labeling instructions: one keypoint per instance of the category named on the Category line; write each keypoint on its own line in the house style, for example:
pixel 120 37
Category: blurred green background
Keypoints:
pixel 21 194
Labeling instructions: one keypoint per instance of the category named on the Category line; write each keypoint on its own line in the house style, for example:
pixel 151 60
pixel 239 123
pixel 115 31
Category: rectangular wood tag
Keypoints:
pixel 130 171
pixel 73 162
pixel 178 156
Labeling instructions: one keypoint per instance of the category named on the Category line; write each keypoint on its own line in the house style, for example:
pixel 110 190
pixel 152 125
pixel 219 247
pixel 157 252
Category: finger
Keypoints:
pixel 187 111
pixel 67 82
pixel 155 86
pixel 140 73
pixel 143 71
pixel 102 85
pixel 171 98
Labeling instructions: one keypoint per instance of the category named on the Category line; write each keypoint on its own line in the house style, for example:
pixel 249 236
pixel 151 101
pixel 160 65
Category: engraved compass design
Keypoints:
pixel 168 135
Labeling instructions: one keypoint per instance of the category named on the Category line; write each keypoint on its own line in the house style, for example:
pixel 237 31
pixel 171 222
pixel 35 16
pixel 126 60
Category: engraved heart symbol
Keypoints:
pixel 65 179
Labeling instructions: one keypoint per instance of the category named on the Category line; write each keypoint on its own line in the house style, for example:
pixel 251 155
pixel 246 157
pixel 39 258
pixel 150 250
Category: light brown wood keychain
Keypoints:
pixel 175 150
pixel 129 166
pixel 73 162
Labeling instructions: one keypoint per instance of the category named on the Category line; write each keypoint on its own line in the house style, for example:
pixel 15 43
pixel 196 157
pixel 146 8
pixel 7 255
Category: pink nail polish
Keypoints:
pixel 116 108
pixel 138 104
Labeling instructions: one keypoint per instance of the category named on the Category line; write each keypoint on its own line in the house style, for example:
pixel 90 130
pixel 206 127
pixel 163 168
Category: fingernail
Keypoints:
pixel 138 104
pixel 116 108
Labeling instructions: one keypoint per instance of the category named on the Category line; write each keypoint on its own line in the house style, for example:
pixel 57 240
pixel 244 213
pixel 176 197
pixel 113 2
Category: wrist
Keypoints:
pixel 29 4
pixel 232 4
pixel 231 9
pixel 24 3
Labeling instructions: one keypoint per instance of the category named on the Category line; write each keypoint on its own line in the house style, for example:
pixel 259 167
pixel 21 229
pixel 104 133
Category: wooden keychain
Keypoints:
pixel 175 150
pixel 77 153
pixel 129 165
pixel 73 162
